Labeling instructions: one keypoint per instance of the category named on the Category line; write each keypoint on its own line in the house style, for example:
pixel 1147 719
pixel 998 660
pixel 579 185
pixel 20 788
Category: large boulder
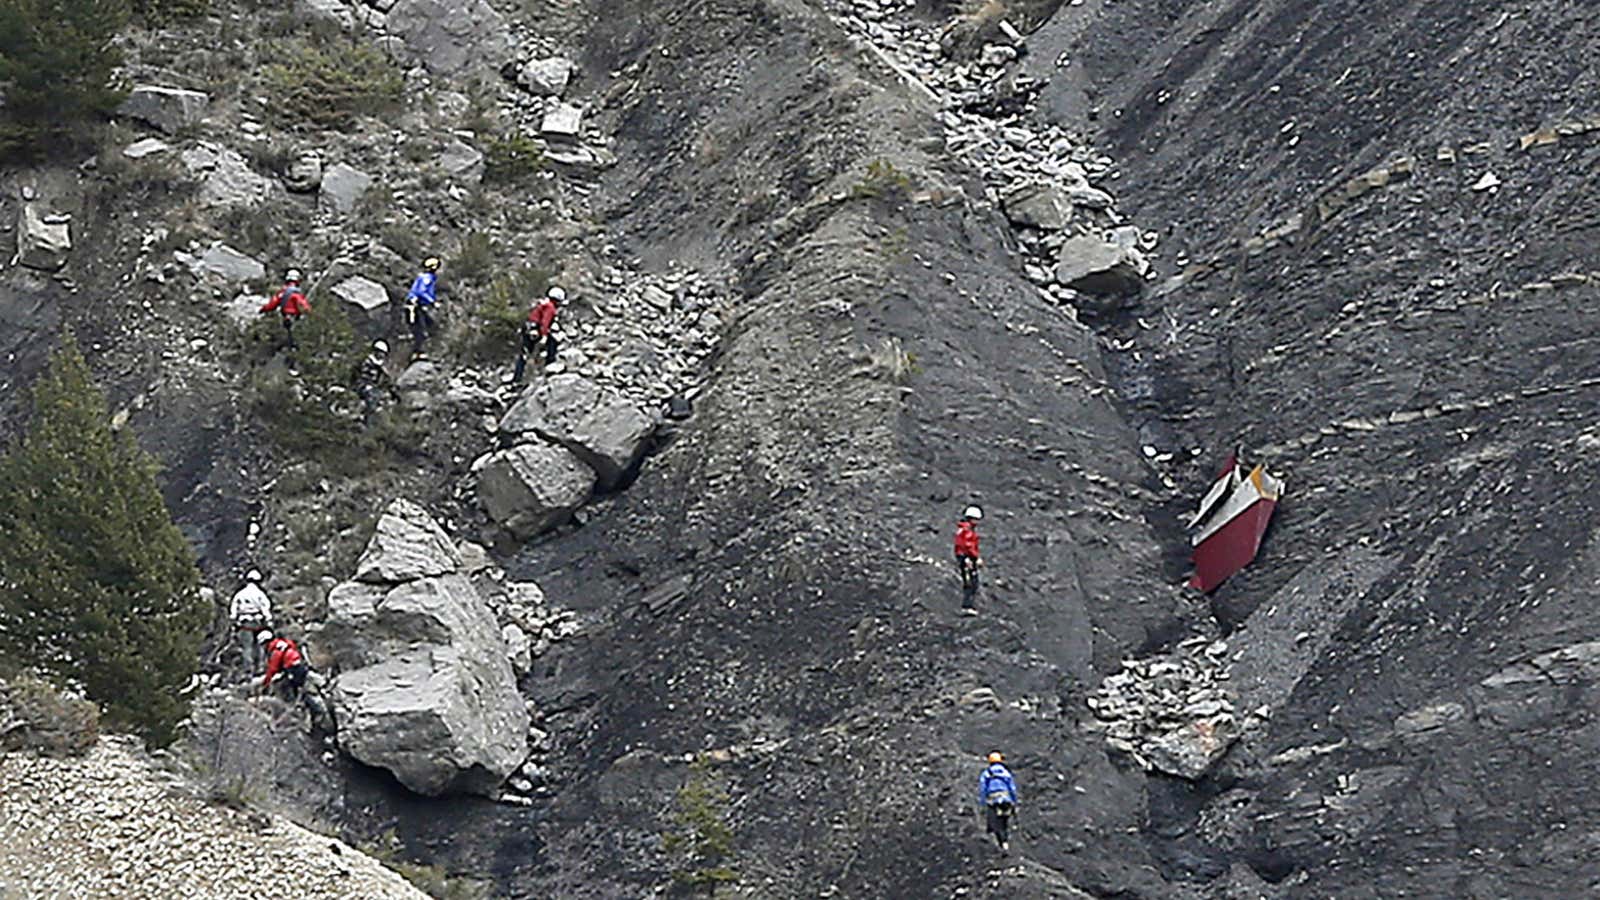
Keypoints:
pixel 342 187
pixel 531 487
pixel 407 544
pixel 1095 265
pixel 425 686
pixel 607 431
pixel 43 242
pixel 167 108
pixel 449 36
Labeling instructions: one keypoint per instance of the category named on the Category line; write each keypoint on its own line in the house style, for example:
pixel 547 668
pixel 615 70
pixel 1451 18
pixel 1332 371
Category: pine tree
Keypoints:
pixel 57 65
pixel 98 588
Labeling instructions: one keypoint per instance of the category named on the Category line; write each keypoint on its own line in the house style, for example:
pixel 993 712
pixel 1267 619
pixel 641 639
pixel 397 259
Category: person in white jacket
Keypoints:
pixel 250 612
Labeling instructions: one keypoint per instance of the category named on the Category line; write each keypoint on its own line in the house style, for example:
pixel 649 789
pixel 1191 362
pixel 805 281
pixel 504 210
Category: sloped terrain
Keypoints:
pixel 1416 358
pixel 1338 289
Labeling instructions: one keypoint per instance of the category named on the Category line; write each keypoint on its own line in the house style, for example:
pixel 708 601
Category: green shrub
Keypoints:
pixel 403 240
pixel 100 587
pixel 475 261
pixel 702 845
pixel 302 409
pixel 328 83
pixel 513 158
pixel 432 880
pixel 57 63
pixel 883 178
pixel 492 333
pixel 163 11
pixel 36 716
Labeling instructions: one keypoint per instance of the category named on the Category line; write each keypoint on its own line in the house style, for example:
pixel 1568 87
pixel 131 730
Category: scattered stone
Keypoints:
pixel 343 186
pixel 462 162
pixel 147 147
pixel 532 487
pixel 363 293
pixel 546 76
pixel 519 650
pixel 562 120
pixel 42 242
pixel 228 179
pixel 1038 205
pixel 228 264
pixel 168 109
pixel 332 12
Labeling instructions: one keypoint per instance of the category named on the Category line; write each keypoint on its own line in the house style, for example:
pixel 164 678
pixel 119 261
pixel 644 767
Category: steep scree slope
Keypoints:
pixel 1419 360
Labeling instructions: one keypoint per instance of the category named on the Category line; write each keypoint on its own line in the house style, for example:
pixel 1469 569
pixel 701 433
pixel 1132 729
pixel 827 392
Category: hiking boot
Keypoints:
pixel 968 611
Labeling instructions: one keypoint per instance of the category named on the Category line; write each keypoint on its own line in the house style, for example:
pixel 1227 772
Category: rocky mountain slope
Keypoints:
pixel 1055 259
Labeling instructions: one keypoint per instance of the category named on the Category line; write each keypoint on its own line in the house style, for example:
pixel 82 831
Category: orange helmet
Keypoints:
pixel 997 756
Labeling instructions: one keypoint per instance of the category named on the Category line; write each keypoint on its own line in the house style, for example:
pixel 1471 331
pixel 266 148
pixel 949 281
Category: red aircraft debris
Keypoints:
pixel 1234 513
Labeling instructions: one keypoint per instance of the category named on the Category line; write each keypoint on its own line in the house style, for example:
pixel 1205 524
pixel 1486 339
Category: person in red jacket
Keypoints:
pixel 968 559
pixel 291 304
pixel 284 658
pixel 541 318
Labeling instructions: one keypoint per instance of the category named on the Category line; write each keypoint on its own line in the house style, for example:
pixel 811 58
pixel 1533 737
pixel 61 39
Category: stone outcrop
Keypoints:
pixel 43 242
pixel 425 686
pixel 531 487
pixel 607 432
pixel 449 36
pixel 168 109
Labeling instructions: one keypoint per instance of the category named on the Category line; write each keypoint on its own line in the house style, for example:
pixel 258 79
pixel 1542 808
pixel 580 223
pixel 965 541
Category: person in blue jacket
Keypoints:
pixel 997 794
pixel 419 305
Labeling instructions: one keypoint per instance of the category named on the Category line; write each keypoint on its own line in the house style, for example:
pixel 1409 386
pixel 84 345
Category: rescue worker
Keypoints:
pixel 283 658
pixel 290 303
pixel 968 559
pixel 541 318
pixel 372 375
pixel 250 612
pixel 420 300
pixel 997 794
pixel 288 665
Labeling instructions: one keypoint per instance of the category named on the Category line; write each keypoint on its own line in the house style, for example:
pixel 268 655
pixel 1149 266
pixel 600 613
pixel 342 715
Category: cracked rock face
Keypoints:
pixel 425 686
pixel 531 487
pixel 606 431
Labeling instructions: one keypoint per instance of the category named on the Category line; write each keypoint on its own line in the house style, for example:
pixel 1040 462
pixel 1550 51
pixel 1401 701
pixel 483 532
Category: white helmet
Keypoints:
pixel 973 513
pixel 557 294
pixel 380 346
pixel 254 575
pixel 263 636
pixel 292 275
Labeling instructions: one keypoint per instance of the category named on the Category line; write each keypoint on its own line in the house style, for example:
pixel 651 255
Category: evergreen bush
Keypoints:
pixel 57 71
pixel 98 588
